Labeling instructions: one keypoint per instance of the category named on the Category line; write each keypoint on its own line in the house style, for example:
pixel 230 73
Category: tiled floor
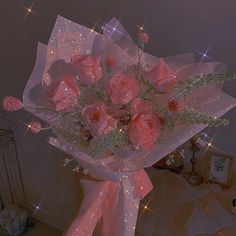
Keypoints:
pixel 42 229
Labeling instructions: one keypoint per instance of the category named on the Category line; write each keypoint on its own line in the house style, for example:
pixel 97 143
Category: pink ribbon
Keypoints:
pixel 113 204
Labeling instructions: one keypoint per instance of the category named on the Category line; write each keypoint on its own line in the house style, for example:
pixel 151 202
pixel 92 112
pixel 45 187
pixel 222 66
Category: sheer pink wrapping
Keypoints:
pixel 69 39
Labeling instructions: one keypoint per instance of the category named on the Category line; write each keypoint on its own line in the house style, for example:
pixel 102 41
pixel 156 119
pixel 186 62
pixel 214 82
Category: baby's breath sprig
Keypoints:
pixel 115 138
pixel 196 117
pixel 194 82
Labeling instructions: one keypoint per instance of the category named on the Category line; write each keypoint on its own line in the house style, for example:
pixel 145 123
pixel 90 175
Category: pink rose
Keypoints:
pixel 162 77
pixel 98 120
pixel 139 105
pixel 63 94
pixel 144 130
pixel 122 89
pixel 88 68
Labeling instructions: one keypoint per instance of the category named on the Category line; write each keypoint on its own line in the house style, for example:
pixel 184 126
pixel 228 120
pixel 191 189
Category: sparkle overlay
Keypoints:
pixel 114 128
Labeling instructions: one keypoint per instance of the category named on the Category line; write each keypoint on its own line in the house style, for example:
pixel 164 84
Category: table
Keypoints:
pixel 175 208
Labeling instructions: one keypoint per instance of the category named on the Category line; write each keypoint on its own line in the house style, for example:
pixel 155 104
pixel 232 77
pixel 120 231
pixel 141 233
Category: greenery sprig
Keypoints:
pixel 115 138
pixel 196 117
pixel 194 82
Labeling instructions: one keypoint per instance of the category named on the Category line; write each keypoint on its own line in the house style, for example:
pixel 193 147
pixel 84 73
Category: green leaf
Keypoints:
pixel 170 124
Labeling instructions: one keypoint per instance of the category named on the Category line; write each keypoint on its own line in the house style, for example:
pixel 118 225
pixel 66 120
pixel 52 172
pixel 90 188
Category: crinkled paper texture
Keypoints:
pixel 68 39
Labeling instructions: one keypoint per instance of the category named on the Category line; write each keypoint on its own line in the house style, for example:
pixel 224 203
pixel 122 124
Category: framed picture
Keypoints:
pixel 220 168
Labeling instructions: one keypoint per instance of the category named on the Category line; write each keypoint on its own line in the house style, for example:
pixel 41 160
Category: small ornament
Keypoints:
pixel 11 103
pixel 202 142
pixel 175 159
pixel 168 162
pixel 77 169
pixel 67 161
pixel 182 152
pixel 35 127
pixel 85 171
pixel 143 37
pixel 193 177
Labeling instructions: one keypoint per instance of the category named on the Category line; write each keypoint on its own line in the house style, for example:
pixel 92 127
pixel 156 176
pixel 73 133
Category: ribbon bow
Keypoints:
pixel 115 204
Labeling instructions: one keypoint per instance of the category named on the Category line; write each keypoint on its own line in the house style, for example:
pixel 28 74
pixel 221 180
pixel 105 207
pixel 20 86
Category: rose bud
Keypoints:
pixel 143 38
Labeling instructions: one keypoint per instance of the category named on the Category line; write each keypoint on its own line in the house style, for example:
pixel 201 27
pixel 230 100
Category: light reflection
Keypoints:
pixel 209 143
pixel 29 9
pixel 28 127
pixel 204 55
pixel 141 27
pixel 100 27
pixel 105 26
pixel 92 30
pixel 38 208
pixel 112 28
pixel 146 208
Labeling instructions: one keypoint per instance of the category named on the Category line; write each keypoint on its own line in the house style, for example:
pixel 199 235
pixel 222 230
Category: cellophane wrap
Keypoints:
pixel 68 39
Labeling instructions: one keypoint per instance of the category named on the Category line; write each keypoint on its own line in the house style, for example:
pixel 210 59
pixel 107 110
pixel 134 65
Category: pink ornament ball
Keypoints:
pixel 35 127
pixel 11 103
pixel 143 37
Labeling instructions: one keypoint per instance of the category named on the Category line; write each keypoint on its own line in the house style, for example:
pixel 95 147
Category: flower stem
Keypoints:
pixel 139 62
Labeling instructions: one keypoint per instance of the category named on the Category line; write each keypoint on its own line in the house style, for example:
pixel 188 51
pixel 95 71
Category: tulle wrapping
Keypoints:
pixel 69 38
pixel 125 181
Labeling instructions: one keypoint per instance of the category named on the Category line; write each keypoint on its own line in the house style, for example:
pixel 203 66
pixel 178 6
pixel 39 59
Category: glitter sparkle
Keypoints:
pixel 29 10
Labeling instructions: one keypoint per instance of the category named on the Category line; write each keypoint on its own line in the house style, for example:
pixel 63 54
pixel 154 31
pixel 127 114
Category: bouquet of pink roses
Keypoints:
pixel 117 109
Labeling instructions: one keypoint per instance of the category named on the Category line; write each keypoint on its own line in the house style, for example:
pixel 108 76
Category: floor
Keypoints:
pixel 42 229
